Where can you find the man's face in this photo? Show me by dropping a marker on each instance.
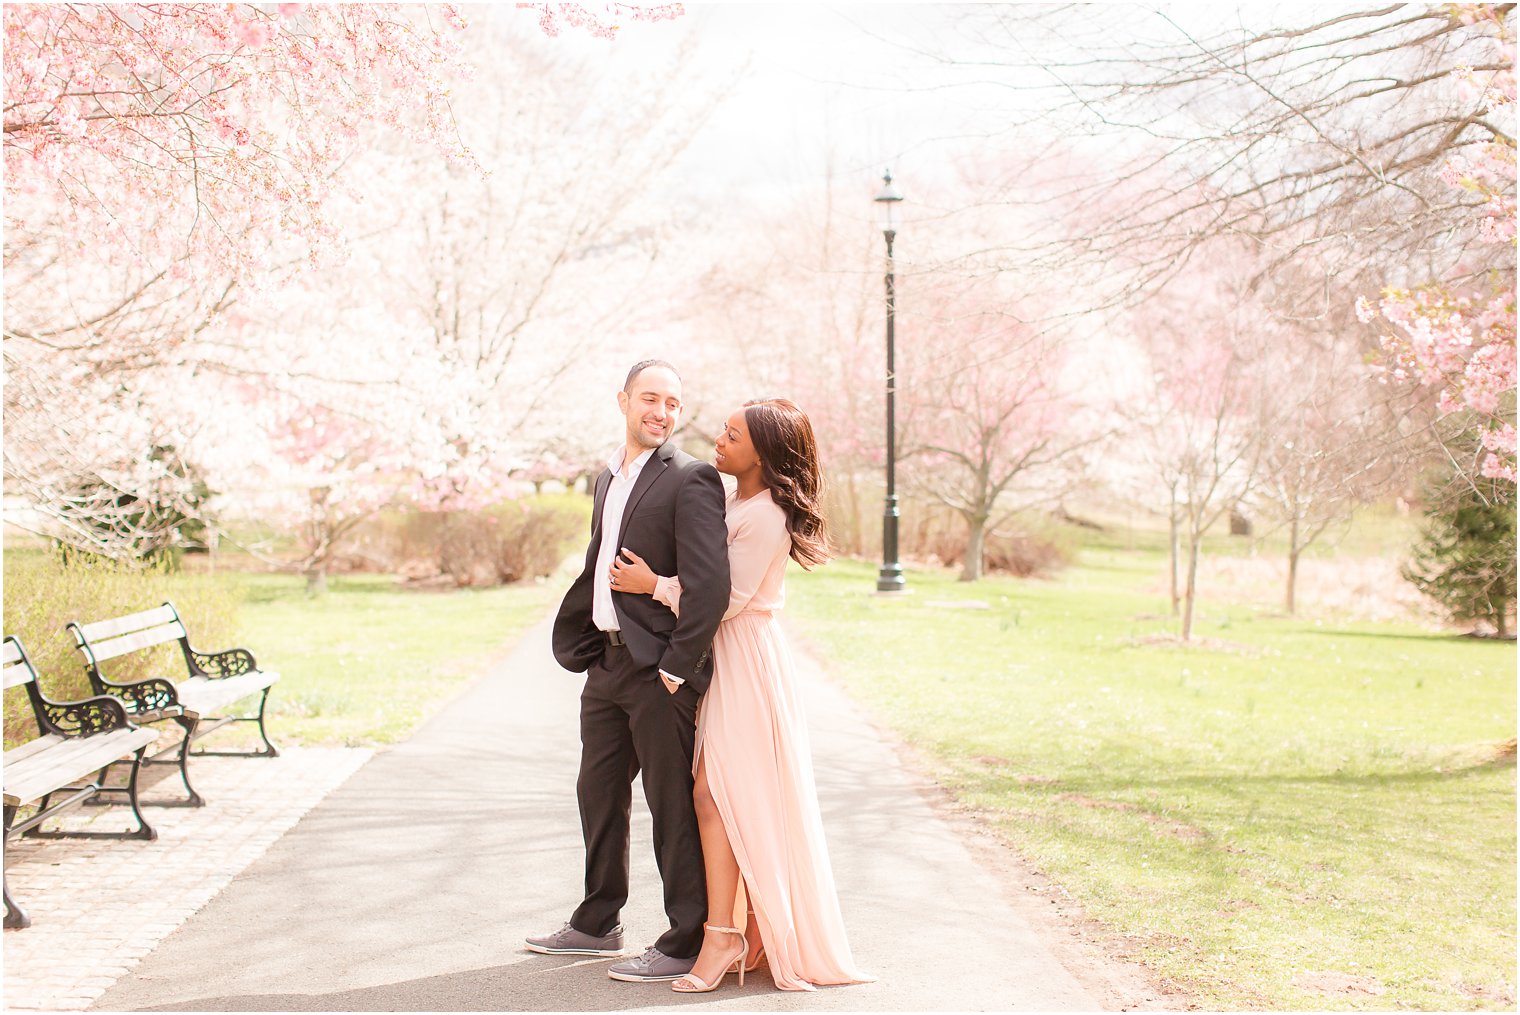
(652, 405)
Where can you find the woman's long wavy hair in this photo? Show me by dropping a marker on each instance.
(788, 452)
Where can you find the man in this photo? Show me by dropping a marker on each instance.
(646, 670)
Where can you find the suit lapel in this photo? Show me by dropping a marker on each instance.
(652, 471)
(599, 498)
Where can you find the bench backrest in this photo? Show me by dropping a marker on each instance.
(107, 639)
(18, 668)
(18, 671)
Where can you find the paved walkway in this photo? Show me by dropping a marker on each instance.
(99, 906)
(411, 886)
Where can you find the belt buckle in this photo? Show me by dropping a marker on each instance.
(614, 638)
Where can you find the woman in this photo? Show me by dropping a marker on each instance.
(757, 806)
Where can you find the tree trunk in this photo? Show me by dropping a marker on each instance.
(1175, 549)
(316, 579)
(1293, 551)
(857, 526)
(975, 541)
(1191, 596)
(1501, 621)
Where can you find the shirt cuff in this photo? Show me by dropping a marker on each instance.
(672, 677)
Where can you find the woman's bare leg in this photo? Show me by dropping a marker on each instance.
(722, 881)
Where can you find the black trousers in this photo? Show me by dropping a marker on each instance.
(631, 723)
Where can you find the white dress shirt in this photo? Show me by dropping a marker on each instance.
(602, 613)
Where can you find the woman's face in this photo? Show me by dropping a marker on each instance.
(735, 453)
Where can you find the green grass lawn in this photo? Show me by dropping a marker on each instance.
(368, 662)
(1290, 806)
(363, 665)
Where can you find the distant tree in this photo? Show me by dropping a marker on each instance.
(1335, 442)
(1465, 558)
(988, 428)
(1205, 403)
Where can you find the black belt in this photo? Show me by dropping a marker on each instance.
(614, 638)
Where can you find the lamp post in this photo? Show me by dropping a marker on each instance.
(891, 578)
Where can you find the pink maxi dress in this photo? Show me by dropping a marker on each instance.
(752, 731)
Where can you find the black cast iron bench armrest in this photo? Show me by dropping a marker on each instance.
(233, 662)
(99, 714)
(155, 694)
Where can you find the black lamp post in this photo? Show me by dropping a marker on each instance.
(891, 578)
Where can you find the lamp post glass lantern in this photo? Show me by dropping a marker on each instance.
(891, 578)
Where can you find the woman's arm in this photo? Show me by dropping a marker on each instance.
(751, 551)
(630, 573)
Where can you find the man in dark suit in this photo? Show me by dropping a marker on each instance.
(646, 669)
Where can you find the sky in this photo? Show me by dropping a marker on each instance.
(810, 83)
(850, 89)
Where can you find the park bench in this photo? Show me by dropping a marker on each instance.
(213, 681)
(79, 742)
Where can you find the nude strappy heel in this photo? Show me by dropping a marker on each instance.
(691, 984)
(753, 960)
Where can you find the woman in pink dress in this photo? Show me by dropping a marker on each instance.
(757, 805)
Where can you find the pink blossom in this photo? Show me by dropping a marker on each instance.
(1495, 468)
(1458, 341)
(1501, 439)
(195, 181)
(601, 24)
(70, 123)
(254, 33)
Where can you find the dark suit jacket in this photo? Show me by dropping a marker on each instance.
(674, 520)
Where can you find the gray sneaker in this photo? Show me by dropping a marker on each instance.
(651, 967)
(569, 941)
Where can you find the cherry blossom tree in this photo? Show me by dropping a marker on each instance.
(349, 469)
(161, 162)
(1202, 403)
(1457, 336)
(989, 425)
(522, 271)
(599, 20)
(185, 142)
(1312, 133)
(249, 294)
(1334, 444)
(100, 469)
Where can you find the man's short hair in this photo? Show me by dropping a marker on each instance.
(645, 364)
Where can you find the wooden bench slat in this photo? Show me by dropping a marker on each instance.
(113, 647)
(102, 629)
(18, 674)
(205, 695)
(68, 761)
(12, 651)
(16, 755)
(69, 755)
